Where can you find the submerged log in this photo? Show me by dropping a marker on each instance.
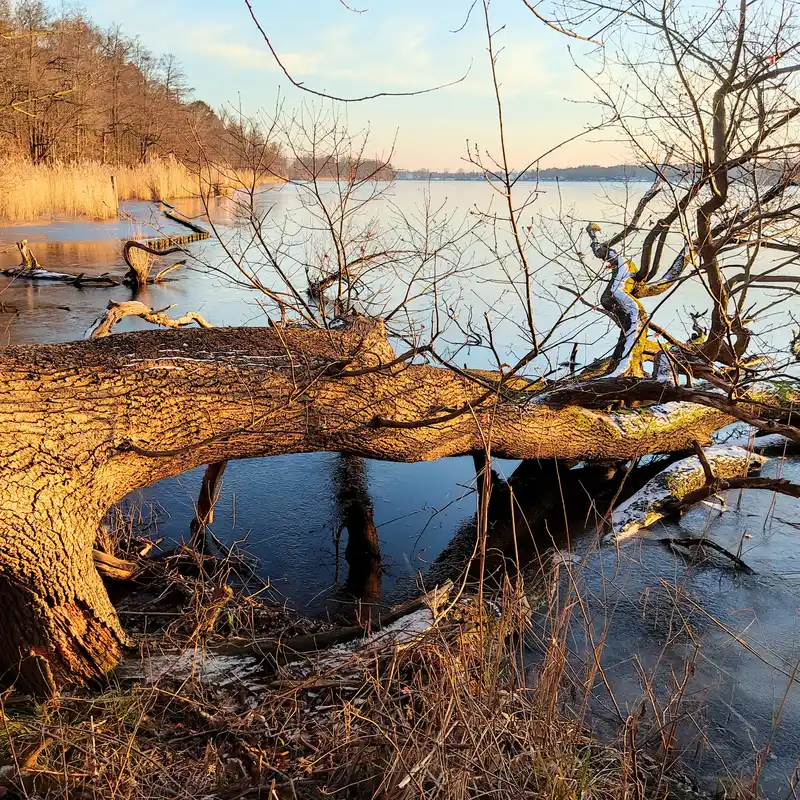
(658, 498)
(29, 269)
(83, 424)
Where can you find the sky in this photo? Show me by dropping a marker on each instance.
(391, 46)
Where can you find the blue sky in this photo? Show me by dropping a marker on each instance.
(394, 45)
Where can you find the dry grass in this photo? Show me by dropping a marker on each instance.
(460, 714)
(29, 192)
(451, 717)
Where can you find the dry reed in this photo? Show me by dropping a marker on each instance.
(30, 192)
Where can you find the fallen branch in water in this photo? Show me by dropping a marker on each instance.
(30, 269)
(137, 256)
(287, 649)
(779, 485)
(680, 485)
(691, 541)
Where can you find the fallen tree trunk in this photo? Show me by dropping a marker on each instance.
(83, 424)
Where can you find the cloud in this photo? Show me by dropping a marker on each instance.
(345, 54)
(228, 48)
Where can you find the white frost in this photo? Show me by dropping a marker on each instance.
(203, 666)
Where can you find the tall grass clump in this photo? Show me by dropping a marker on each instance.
(31, 192)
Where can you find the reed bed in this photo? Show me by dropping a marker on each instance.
(31, 192)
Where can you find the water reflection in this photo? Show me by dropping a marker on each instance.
(357, 521)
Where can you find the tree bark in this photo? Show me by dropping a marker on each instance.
(58, 625)
(83, 424)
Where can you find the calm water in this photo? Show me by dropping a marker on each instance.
(744, 641)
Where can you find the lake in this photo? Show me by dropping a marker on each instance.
(728, 647)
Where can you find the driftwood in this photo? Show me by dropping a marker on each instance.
(241, 662)
(30, 269)
(28, 259)
(116, 311)
(138, 254)
(287, 650)
(170, 213)
(61, 277)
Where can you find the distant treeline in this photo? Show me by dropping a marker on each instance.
(322, 167)
(623, 172)
(71, 92)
